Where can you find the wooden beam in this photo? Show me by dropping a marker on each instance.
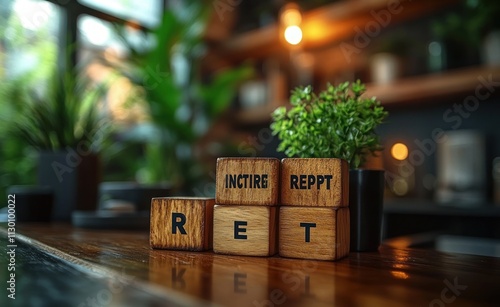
(428, 88)
(327, 25)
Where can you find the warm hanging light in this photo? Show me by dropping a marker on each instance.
(290, 19)
(293, 35)
(399, 151)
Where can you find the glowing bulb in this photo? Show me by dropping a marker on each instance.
(293, 35)
(399, 151)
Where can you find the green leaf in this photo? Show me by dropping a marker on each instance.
(336, 123)
(218, 94)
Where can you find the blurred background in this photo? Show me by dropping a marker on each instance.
(156, 90)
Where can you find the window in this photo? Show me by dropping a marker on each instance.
(146, 12)
(100, 53)
(29, 32)
(29, 44)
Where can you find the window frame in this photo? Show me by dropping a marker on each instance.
(71, 11)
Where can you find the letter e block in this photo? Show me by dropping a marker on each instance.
(247, 181)
(316, 182)
(245, 230)
(181, 223)
(314, 233)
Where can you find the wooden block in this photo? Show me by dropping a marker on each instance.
(181, 223)
(245, 230)
(314, 233)
(247, 181)
(315, 182)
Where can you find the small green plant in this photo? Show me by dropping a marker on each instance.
(337, 123)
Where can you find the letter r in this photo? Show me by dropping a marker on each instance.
(178, 221)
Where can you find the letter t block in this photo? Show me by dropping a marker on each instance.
(314, 233)
(182, 223)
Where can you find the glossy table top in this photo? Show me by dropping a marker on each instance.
(390, 277)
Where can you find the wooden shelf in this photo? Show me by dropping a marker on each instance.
(422, 89)
(431, 87)
(325, 26)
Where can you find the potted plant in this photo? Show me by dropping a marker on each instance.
(470, 31)
(62, 123)
(18, 165)
(339, 123)
(484, 26)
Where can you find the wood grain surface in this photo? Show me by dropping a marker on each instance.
(314, 233)
(182, 223)
(243, 281)
(390, 277)
(259, 187)
(314, 182)
(245, 230)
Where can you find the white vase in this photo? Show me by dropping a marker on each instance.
(461, 169)
(384, 68)
(491, 48)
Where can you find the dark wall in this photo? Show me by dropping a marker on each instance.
(415, 124)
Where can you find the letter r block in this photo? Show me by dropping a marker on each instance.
(245, 230)
(314, 233)
(181, 223)
(247, 181)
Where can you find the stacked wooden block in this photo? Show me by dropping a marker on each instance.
(313, 220)
(245, 214)
(314, 217)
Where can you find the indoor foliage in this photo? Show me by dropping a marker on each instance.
(337, 123)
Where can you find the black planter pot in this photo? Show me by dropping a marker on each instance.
(32, 203)
(74, 178)
(138, 194)
(366, 198)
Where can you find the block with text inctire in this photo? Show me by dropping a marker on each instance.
(182, 223)
(247, 181)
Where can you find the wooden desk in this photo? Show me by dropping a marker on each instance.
(391, 277)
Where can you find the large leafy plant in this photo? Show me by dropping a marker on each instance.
(337, 123)
(61, 115)
(182, 101)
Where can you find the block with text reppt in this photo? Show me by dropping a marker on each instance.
(315, 182)
(182, 223)
(245, 230)
(247, 181)
(314, 232)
